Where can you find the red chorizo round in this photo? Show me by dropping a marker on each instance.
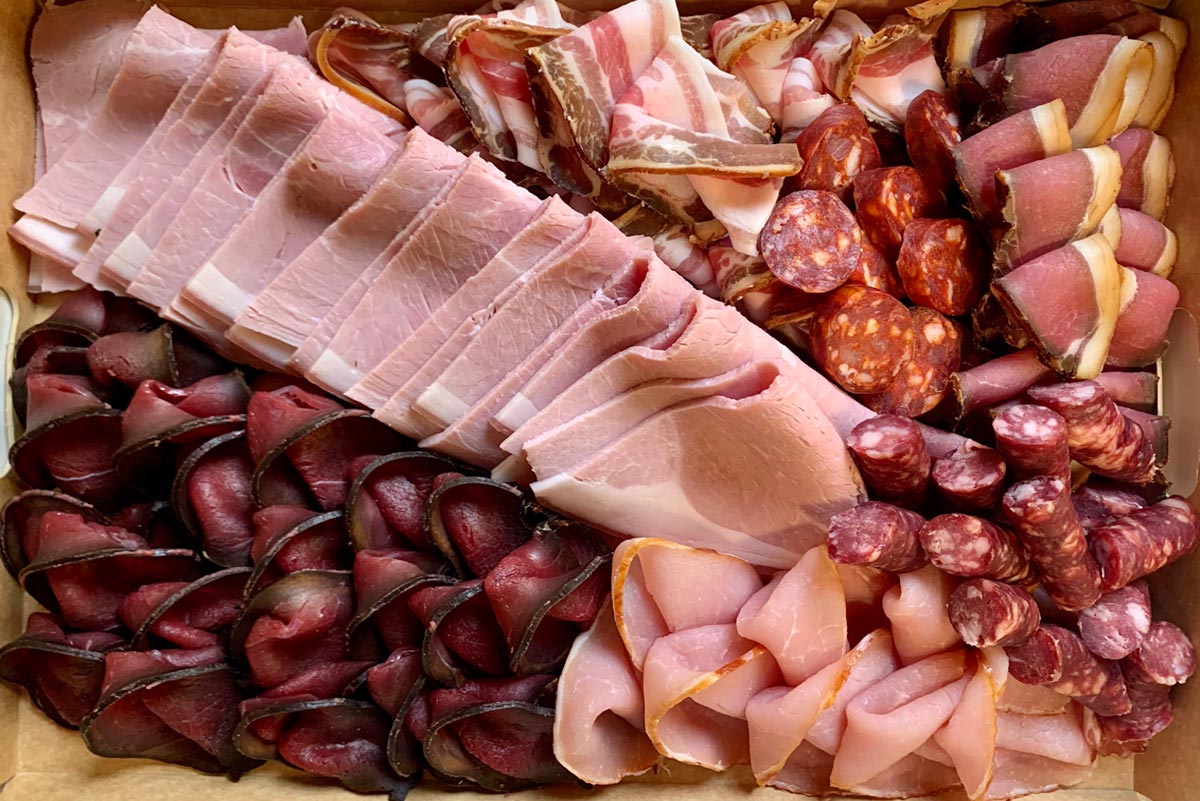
(811, 241)
(887, 200)
(1033, 440)
(971, 479)
(943, 265)
(836, 147)
(879, 535)
(925, 378)
(1116, 625)
(861, 337)
(1144, 541)
(874, 270)
(931, 131)
(987, 613)
(890, 451)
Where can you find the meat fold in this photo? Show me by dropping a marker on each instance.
(499, 211)
(916, 608)
(294, 303)
(1147, 303)
(368, 60)
(1146, 244)
(1148, 171)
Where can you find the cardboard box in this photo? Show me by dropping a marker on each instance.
(42, 762)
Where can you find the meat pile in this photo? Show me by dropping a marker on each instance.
(235, 573)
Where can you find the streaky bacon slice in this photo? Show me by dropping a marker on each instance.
(599, 719)
(802, 99)
(759, 46)
(916, 608)
(437, 111)
(656, 586)
(366, 59)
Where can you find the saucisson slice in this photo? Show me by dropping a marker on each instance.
(1057, 657)
(971, 479)
(991, 613)
(964, 545)
(891, 455)
(879, 535)
(1166, 655)
(1117, 624)
(1033, 440)
(1140, 543)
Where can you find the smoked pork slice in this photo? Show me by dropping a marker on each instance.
(1148, 171)
(916, 608)
(1147, 303)
(1146, 244)
(759, 46)
(294, 303)
(391, 307)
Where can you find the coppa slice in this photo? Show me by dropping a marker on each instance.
(388, 382)
(294, 303)
(687, 471)
(337, 165)
(523, 323)
(1068, 302)
(436, 260)
(242, 68)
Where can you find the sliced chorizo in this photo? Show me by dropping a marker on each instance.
(874, 270)
(811, 241)
(943, 265)
(931, 132)
(836, 147)
(888, 199)
(861, 337)
(925, 378)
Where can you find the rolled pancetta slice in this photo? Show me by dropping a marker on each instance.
(1148, 171)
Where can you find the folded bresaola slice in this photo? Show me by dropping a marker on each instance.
(1148, 171)
(242, 69)
(383, 580)
(1082, 277)
(1051, 202)
(289, 538)
(385, 506)
(1029, 136)
(384, 388)
(438, 257)
(22, 517)
(1147, 303)
(182, 614)
(212, 495)
(339, 162)
(142, 91)
(1146, 244)
(599, 714)
(1102, 90)
(294, 303)
(759, 429)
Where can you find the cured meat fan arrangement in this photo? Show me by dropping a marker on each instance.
(537, 395)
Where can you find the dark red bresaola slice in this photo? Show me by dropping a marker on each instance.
(383, 579)
(51, 359)
(187, 615)
(63, 678)
(387, 497)
(461, 633)
(125, 667)
(186, 717)
(476, 522)
(291, 538)
(163, 354)
(21, 517)
(295, 624)
(496, 733)
(78, 320)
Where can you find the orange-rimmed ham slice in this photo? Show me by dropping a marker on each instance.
(969, 737)
(916, 608)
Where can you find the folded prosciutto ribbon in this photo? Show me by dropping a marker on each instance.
(829, 678)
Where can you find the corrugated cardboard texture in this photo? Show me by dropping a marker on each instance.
(42, 762)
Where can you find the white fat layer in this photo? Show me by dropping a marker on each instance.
(1050, 121)
(331, 371)
(102, 212)
(1107, 280)
(210, 288)
(441, 404)
(127, 259)
(1106, 185)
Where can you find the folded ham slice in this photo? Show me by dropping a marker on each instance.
(969, 736)
(916, 608)
(291, 307)
(693, 488)
(437, 259)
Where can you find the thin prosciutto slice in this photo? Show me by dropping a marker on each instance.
(683, 116)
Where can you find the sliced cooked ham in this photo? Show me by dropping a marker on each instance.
(498, 211)
(693, 488)
(969, 736)
(291, 307)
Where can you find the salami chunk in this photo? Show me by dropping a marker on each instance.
(879, 535)
(943, 265)
(1040, 511)
(1116, 625)
(890, 451)
(875, 271)
(811, 241)
(1033, 440)
(1100, 504)
(1150, 713)
(1058, 658)
(1166, 656)
(1100, 437)
(1144, 541)
(925, 378)
(861, 337)
(888, 199)
(931, 131)
(987, 613)
(836, 147)
(971, 479)
(963, 545)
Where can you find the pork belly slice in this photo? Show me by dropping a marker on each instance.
(756, 474)
(1051, 202)
(384, 387)
(1148, 171)
(339, 163)
(242, 68)
(472, 437)
(293, 304)
(530, 315)
(434, 192)
(161, 55)
(481, 213)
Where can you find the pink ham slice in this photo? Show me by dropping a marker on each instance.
(556, 231)
(678, 483)
(526, 319)
(656, 591)
(220, 195)
(1034, 134)
(473, 437)
(242, 69)
(291, 307)
(1041, 752)
(338, 164)
(969, 736)
(554, 222)
(916, 608)
(697, 684)
(439, 257)
(599, 720)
